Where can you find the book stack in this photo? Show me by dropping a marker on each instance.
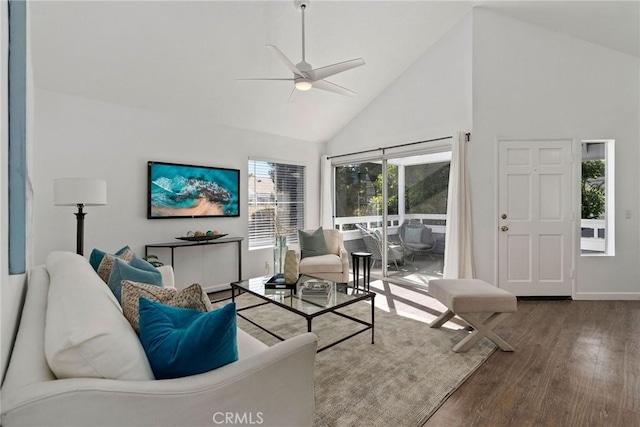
(315, 289)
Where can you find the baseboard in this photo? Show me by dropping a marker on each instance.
(601, 296)
(544, 298)
(217, 288)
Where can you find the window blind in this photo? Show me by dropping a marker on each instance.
(276, 202)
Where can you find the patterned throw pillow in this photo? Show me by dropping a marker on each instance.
(106, 265)
(192, 297)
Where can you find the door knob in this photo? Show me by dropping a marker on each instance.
(504, 228)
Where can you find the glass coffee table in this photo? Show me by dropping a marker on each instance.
(308, 307)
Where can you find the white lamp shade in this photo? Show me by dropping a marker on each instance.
(74, 191)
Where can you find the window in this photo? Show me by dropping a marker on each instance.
(597, 187)
(426, 190)
(359, 193)
(417, 189)
(276, 202)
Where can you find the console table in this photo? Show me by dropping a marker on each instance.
(182, 244)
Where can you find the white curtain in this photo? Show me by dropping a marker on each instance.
(326, 193)
(458, 256)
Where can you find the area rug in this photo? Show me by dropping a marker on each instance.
(401, 380)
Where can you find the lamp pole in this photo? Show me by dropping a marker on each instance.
(80, 233)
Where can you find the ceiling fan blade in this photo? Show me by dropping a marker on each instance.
(283, 58)
(330, 70)
(332, 87)
(294, 95)
(287, 79)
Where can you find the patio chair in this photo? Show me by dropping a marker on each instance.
(373, 242)
(417, 238)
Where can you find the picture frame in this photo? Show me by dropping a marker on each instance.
(176, 190)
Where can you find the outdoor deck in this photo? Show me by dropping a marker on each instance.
(418, 270)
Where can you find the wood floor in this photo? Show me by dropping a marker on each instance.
(577, 363)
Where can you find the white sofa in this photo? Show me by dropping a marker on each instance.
(267, 385)
(333, 266)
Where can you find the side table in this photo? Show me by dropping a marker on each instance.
(366, 269)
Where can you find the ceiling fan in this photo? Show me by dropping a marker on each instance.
(304, 76)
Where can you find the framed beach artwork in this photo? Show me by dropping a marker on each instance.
(188, 191)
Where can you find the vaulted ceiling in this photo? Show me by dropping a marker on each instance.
(184, 57)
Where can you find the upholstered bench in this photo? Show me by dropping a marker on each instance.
(467, 298)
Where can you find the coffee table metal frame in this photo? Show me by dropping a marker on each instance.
(237, 289)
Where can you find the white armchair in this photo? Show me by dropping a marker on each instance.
(333, 266)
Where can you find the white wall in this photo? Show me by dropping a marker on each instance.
(77, 137)
(529, 82)
(430, 100)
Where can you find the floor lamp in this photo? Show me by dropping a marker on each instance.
(79, 192)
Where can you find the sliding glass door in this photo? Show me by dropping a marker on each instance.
(395, 208)
(359, 207)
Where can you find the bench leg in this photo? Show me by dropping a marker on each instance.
(444, 318)
(482, 329)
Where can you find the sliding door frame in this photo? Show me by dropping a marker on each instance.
(401, 151)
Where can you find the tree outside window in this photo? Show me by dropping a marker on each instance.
(593, 189)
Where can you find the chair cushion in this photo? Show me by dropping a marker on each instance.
(180, 342)
(192, 297)
(312, 243)
(329, 263)
(472, 296)
(86, 334)
(413, 234)
(419, 246)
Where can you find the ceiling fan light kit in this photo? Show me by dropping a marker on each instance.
(304, 76)
(303, 84)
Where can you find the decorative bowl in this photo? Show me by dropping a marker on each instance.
(200, 238)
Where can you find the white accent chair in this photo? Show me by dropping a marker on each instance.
(333, 266)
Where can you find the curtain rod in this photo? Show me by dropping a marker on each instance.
(394, 146)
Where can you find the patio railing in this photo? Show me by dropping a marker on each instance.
(593, 237)
(593, 230)
(350, 232)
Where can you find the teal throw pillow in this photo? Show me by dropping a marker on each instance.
(180, 341)
(312, 244)
(137, 270)
(413, 235)
(96, 256)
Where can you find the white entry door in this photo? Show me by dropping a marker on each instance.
(536, 218)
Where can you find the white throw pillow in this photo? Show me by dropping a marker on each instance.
(86, 334)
